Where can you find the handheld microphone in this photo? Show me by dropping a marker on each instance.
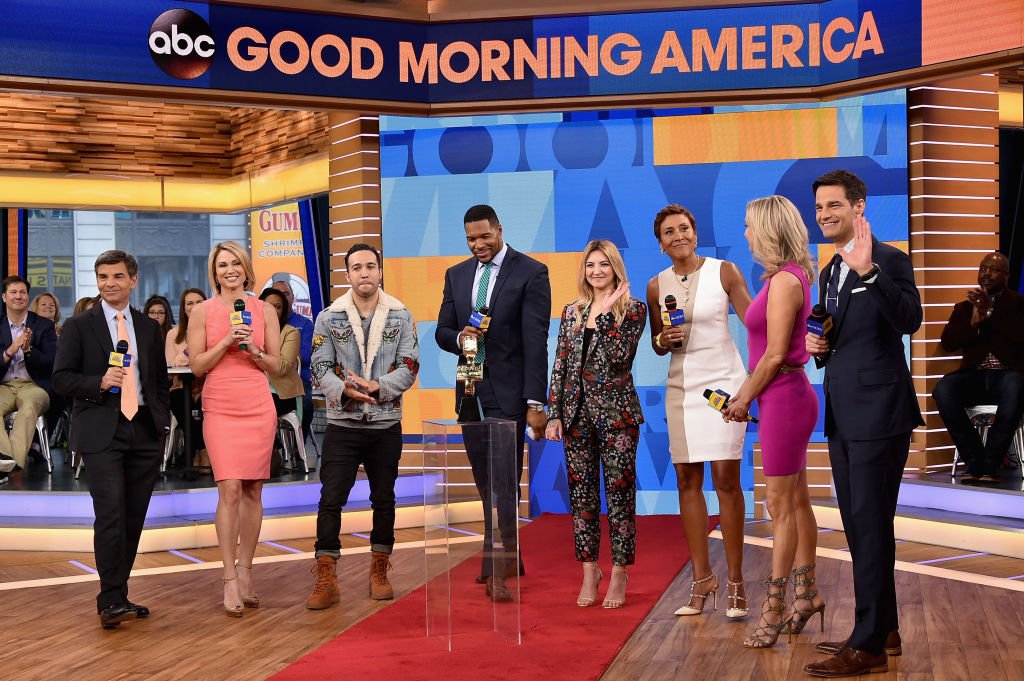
(480, 319)
(719, 400)
(673, 317)
(119, 358)
(820, 321)
(241, 316)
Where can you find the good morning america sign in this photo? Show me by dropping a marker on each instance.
(226, 47)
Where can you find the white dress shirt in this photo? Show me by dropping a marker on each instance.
(110, 314)
(496, 261)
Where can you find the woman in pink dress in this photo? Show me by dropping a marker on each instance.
(776, 321)
(239, 421)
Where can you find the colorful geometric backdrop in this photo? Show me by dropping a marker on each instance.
(560, 180)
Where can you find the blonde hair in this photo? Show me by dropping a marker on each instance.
(586, 291)
(236, 249)
(779, 235)
(34, 306)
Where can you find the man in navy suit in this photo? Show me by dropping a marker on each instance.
(29, 345)
(870, 411)
(118, 423)
(515, 289)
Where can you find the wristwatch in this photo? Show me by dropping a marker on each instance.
(537, 407)
(870, 275)
(258, 357)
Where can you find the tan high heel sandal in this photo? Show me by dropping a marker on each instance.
(587, 601)
(615, 602)
(713, 593)
(251, 599)
(231, 610)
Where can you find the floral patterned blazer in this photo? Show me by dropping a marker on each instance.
(605, 375)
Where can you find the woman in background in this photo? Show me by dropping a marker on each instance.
(286, 382)
(238, 415)
(703, 356)
(776, 325)
(47, 306)
(176, 352)
(159, 308)
(84, 304)
(595, 408)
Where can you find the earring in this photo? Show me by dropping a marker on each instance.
(662, 250)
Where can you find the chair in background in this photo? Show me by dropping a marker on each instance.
(293, 444)
(41, 435)
(982, 416)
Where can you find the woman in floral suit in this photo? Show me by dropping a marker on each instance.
(594, 406)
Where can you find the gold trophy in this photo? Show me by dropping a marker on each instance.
(469, 373)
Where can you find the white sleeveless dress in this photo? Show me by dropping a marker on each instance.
(708, 359)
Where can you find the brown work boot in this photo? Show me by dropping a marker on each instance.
(325, 591)
(380, 587)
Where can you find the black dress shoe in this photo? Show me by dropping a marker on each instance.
(141, 611)
(113, 615)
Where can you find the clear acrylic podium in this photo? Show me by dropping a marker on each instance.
(452, 453)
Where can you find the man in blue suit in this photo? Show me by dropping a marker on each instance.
(515, 289)
(870, 411)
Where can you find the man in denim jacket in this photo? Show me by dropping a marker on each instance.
(365, 356)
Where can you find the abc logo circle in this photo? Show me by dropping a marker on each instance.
(181, 43)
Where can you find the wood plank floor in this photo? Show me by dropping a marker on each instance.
(952, 629)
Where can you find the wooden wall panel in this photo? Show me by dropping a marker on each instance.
(261, 138)
(954, 221)
(355, 213)
(54, 134)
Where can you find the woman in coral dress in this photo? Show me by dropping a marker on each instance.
(239, 421)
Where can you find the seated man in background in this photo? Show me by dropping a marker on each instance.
(29, 345)
(988, 328)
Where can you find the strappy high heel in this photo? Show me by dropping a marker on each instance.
(587, 601)
(251, 599)
(617, 602)
(734, 611)
(231, 610)
(799, 618)
(767, 633)
(689, 609)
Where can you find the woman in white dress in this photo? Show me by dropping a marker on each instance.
(703, 356)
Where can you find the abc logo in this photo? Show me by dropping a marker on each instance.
(181, 43)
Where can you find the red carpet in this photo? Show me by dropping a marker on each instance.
(560, 640)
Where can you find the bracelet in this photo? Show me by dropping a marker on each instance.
(258, 357)
(657, 341)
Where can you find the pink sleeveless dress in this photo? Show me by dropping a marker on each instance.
(788, 407)
(239, 421)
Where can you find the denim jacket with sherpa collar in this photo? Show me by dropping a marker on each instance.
(389, 354)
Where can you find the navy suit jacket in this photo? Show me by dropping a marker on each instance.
(869, 392)
(82, 357)
(39, 362)
(517, 338)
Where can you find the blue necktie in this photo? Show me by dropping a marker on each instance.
(832, 291)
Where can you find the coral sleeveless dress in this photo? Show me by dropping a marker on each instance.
(708, 359)
(239, 420)
(788, 407)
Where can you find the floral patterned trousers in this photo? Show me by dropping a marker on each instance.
(586, 448)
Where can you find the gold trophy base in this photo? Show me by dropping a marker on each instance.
(470, 410)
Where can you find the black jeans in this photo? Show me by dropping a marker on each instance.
(970, 387)
(121, 481)
(378, 450)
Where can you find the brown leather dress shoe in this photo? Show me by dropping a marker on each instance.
(849, 662)
(893, 645)
(497, 591)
